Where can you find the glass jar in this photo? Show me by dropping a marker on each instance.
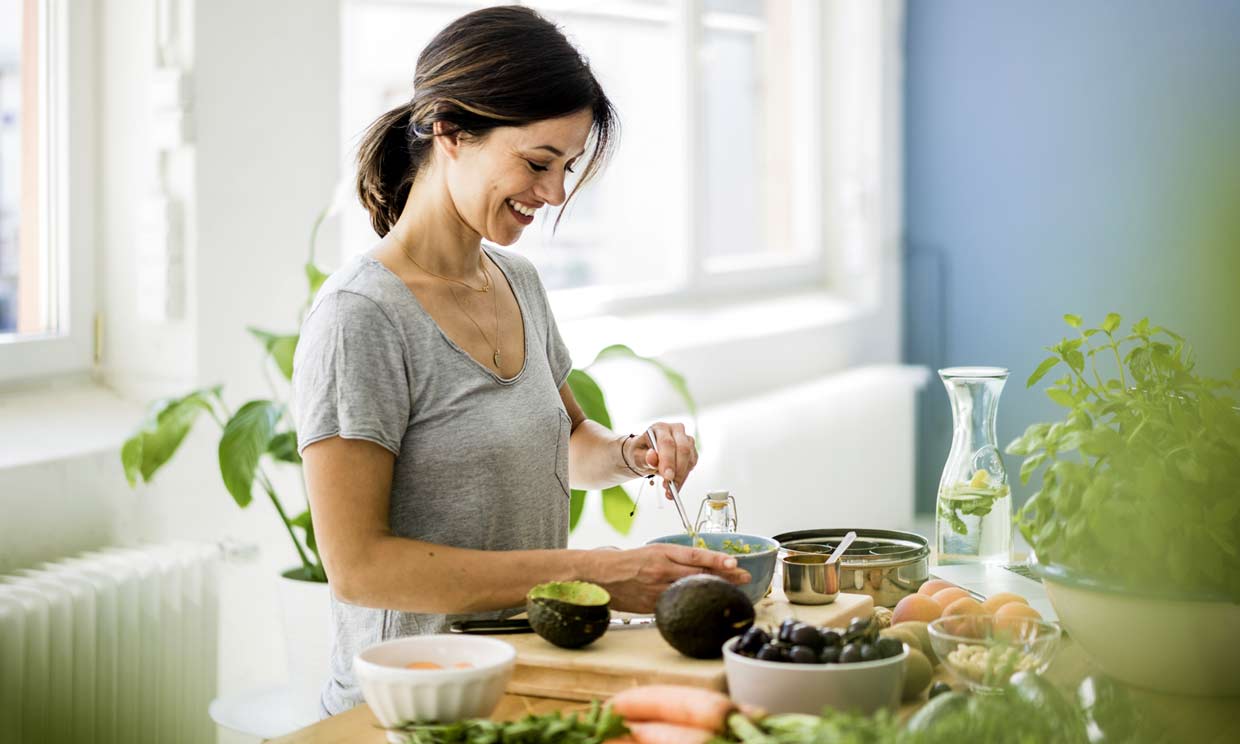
(717, 513)
(973, 518)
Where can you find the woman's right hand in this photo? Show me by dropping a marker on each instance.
(635, 578)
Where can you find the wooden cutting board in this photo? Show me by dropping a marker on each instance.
(627, 656)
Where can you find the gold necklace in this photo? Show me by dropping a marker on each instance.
(486, 287)
(495, 305)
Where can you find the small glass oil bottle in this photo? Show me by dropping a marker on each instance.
(717, 513)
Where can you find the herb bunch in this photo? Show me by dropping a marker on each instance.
(1141, 479)
(596, 726)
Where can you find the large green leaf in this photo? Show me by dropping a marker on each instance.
(1046, 366)
(576, 504)
(283, 447)
(618, 509)
(281, 349)
(306, 524)
(589, 396)
(168, 422)
(315, 277)
(247, 435)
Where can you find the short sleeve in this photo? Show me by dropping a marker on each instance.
(557, 351)
(350, 378)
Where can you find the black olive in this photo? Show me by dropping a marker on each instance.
(752, 640)
(770, 653)
(802, 655)
(786, 628)
(831, 637)
(830, 655)
(938, 688)
(807, 635)
(850, 653)
(869, 652)
(889, 647)
(858, 627)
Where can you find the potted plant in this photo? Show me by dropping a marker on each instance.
(1136, 526)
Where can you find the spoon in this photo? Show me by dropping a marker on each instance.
(839, 549)
(684, 518)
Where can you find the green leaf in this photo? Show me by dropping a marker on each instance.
(1142, 327)
(589, 396)
(1076, 360)
(674, 378)
(281, 349)
(1062, 397)
(1031, 464)
(576, 504)
(247, 436)
(283, 447)
(1111, 322)
(617, 508)
(168, 422)
(1073, 320)
(131, 458)
(315, 277)
(1047, 365)
(306, 524)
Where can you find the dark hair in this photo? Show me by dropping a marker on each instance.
(499, 66)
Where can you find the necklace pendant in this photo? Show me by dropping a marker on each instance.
(496, 358)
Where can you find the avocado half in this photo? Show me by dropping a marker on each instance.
(696, 615)
(570, 614)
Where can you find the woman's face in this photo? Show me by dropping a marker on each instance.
(499, 183)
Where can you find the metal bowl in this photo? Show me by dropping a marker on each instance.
(809, 579)
(888, 565)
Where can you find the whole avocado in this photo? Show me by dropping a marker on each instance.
(697, 614)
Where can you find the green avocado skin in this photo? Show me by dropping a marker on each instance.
(696, 615)
(565, 624)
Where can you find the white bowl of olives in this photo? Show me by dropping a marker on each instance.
(802, 668)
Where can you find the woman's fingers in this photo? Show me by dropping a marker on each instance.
(676, 455)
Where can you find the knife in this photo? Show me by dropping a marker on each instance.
(522, 625)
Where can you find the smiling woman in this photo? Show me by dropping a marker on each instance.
(439, 436)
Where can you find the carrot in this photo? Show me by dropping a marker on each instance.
(626, 739)
(655, 732)
(678, 704)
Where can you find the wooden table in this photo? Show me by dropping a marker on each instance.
(1170, 718)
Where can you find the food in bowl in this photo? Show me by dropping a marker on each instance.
(400, 695)
(759, 561)
(801, 643)
(783, 687)
(434, 665)
(985, 651)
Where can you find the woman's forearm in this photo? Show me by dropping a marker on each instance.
(595, 458)
(397, 573)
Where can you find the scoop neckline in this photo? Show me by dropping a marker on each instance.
(525, 329)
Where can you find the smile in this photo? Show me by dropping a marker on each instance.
(524, 214)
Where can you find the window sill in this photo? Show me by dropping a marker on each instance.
(62, 420)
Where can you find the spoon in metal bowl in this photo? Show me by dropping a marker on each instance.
(839, 549)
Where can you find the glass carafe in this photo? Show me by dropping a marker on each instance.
(973, 518)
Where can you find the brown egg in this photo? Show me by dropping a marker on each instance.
(934, 585)
(964, 606)
(916, 607)
(946, 596)
(995, 601)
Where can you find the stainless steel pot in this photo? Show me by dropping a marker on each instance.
(888, 565)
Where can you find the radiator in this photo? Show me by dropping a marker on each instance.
(117, 645)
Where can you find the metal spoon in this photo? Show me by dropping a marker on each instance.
(684, 518)
(839, 549)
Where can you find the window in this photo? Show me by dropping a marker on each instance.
(45, 287)
(716, 182)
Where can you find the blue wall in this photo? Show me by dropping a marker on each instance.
(1066, 156)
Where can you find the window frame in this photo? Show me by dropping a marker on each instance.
(705, 280)
(67, 125)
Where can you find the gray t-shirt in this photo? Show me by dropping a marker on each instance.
(481, 461)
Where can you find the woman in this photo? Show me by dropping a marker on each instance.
(436, 428)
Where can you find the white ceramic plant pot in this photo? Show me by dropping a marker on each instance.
(305, 610)
(1178, 646)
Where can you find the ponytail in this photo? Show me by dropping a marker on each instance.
(388, 159)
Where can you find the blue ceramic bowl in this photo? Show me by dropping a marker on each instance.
(760, 563)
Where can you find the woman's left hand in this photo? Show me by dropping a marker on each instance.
(676, 457)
